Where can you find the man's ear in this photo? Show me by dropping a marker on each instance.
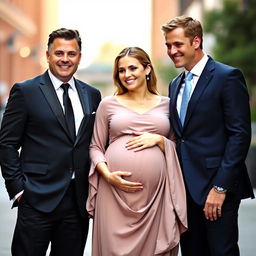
(47, 55)
(197, 42)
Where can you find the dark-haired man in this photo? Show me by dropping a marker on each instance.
(50, 119)
(211, 118)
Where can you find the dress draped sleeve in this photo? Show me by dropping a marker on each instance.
(97, 151)
(176, 184)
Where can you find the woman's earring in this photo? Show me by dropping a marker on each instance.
(147, 76)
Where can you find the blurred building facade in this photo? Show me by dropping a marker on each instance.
(162, 11)
(24, 29)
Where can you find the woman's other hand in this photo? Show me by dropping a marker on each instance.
(143, 140)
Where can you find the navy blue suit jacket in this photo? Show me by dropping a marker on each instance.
(34, 123)
(214, 141)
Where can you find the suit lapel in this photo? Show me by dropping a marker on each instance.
(51, 97)
(83, 96)
(84, 99)
(201, 85)
(175, 88)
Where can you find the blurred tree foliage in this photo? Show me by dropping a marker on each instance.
(166, 72)
(235, 33)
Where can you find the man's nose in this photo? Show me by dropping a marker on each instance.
(172, 50)
(65, 57)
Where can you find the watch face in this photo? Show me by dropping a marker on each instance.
(219, 189)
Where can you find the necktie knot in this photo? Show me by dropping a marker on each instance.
(65, 87)
(189, 76)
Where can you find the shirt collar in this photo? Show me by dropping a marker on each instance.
(57, 83)
(199, 67)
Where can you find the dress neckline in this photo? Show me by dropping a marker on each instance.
(134, 111)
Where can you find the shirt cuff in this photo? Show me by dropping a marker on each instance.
(17, 195)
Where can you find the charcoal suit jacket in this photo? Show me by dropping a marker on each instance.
(37, 153)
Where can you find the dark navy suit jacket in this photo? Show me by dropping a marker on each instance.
(214, 141)
(34, 123)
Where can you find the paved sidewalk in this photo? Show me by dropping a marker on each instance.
(247, 225)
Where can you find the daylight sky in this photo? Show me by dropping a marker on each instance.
(121, 22)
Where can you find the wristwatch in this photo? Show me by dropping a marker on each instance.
(219, 189)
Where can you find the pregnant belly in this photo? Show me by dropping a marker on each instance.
(147, 166)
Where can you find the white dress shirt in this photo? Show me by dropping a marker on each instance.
(73, 95)
(196, 71)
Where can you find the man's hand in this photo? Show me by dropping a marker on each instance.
(213, 205)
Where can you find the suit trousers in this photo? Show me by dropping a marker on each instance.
(211, 238)
(64, 228)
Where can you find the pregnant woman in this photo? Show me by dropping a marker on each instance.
(136, 194)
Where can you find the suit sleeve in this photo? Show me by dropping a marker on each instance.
(11, 135)
(236, 109)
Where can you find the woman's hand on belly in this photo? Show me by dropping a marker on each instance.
(144, 140)
(116, 179)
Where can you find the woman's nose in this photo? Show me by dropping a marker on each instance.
(127, 73)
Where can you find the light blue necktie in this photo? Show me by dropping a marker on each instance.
(185, 97)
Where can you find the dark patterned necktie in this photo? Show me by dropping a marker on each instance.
(69, 114)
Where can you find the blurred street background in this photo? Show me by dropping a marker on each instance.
(106, 27)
